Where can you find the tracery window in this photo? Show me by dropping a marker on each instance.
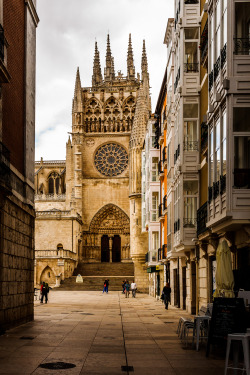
(54, 183)
(111, 159)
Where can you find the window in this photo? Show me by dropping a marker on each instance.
(155, 241)
(241, 129)
(211, 49)
(190, 111)
(224, 143)
(154, 170)
(217, 29)
(54, 183)
(154, 210)
(217, 151)
(211, 157)
(242, 28)
(190, 192)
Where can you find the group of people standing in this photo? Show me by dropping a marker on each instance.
(126, 288)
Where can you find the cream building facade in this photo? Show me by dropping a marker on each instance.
(87, 207)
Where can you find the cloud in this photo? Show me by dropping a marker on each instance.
(66, 36)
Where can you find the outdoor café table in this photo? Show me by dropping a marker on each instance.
(197, 326)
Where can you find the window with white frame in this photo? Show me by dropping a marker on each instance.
(224, 22)
(211, 157)
(155, 245)
(224, 143)
(177, 207)
(190, 194)
(191, 49)
(154, 169)
(217, 155)
(190, 115)
(217, 29)
(154, 207)
(211, 44)
(241, 134)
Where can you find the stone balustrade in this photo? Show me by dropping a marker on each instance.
(55, 254)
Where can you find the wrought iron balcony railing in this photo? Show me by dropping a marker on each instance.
(191, 67)
(201, 219)
(191, 1)
(223, 55)
(217, 66)
(1, 43)
(242, 46)
(176, 225)
(223, 181)
(177, 78)
(189, 222)
(177, 153)
(219, 187)
(190, 146)
(210, 80)
(242, 178)
(216, 189)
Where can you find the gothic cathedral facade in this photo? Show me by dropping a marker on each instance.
(88, 208)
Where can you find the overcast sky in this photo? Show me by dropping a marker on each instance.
(66, 37)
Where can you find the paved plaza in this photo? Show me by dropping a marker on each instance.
(102, 334)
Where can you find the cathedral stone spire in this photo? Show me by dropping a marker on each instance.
(130, 61)
(77, 101)
(97, 73)
(144, 62)
(109, 71)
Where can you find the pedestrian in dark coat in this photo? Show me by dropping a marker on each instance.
(44, 291)
(166, 294)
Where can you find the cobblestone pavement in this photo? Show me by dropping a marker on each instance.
(102, 334)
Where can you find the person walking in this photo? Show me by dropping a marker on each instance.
(105, 286)
(166, 293)
(133, 288)
(127, 287)
(44, 292)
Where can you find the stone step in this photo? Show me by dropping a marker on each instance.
(105, 269)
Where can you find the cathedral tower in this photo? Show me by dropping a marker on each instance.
(139, 240)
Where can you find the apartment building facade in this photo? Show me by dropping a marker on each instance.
(150, 211)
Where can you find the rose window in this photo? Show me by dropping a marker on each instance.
(111, 159)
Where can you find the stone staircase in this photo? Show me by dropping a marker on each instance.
(94, 274)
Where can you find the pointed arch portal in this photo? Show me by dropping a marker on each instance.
(108, 236)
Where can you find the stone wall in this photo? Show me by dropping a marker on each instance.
(17, 263)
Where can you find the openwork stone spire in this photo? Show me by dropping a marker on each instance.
(130, 61)
(109, 71)
(144, 62)
(77, 101)
(97, 73)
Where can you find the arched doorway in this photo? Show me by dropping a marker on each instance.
(105, 248)
(116, 249)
